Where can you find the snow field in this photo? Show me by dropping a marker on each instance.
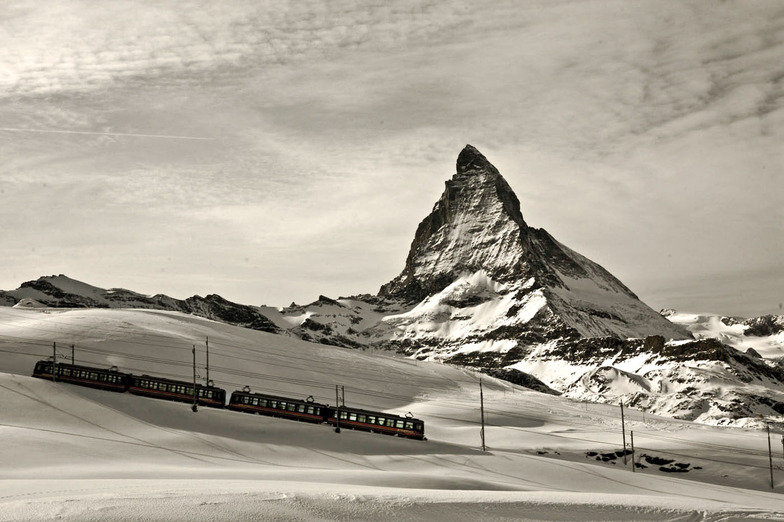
(75, 453)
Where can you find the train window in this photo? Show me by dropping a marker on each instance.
(273, 404)
(67, 371)
(291, 407)
(360, 418)
(371, 419)
(343, 414)
(352, 416)
(301, 408)
(94, 376)
(399, 424)
(409, 425)
(263, 402)
(418, 426)
(310, 410)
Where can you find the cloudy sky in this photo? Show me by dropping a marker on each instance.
(274, 151)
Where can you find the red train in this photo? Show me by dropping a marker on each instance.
(243, 401)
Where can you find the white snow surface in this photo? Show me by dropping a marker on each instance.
(75, 453)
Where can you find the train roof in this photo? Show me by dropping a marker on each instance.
(278, 397)
(377, 413)
(174, 381)
(83, 367)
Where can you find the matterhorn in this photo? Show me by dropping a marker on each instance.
(476, 249)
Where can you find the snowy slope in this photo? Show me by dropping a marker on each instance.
(74, 453)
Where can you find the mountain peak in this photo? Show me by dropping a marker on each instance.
(471, 159)
(477, 227)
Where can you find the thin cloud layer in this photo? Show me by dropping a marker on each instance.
(645, 135)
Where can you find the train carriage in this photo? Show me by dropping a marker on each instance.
(105, 379)
(172, 390)
(275, 406)
(377, 421)
(245, 401)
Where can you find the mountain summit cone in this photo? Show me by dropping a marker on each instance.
(476, 237)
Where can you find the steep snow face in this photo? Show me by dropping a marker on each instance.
(464, 317)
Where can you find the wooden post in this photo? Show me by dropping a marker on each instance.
(337, 410)
(623, 431)
(208, 360)
(631, 434)
(195, 406)
(482, 411)
(770, 455)
(54, 360)
(73, 354)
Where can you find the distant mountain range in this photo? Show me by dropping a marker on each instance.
(481, 288)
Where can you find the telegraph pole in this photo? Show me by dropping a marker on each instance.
(342, 395)
(337, 410)
(54, 360)
(482, 412)
(73, 354)
(195, 407)
(631, 434)
(623, 431)
(770, 455)
(208, 360)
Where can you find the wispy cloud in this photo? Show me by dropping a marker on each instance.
(646, 134)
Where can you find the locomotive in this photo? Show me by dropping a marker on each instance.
(241, 400)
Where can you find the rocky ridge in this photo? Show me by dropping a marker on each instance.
(60, 291)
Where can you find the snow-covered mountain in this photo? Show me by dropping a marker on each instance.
(60, 291)
(478, 279)
(481, 288)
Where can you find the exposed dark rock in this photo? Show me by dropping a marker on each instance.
(521, 378)
(764, 326)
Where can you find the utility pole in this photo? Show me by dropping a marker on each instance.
(195, 407)
(770, 455)
(73, 356)
(343, 396)
(54, 360)
(631, 434)
(337, 410)
(482, 412)
(623, 431)
(208, 360)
